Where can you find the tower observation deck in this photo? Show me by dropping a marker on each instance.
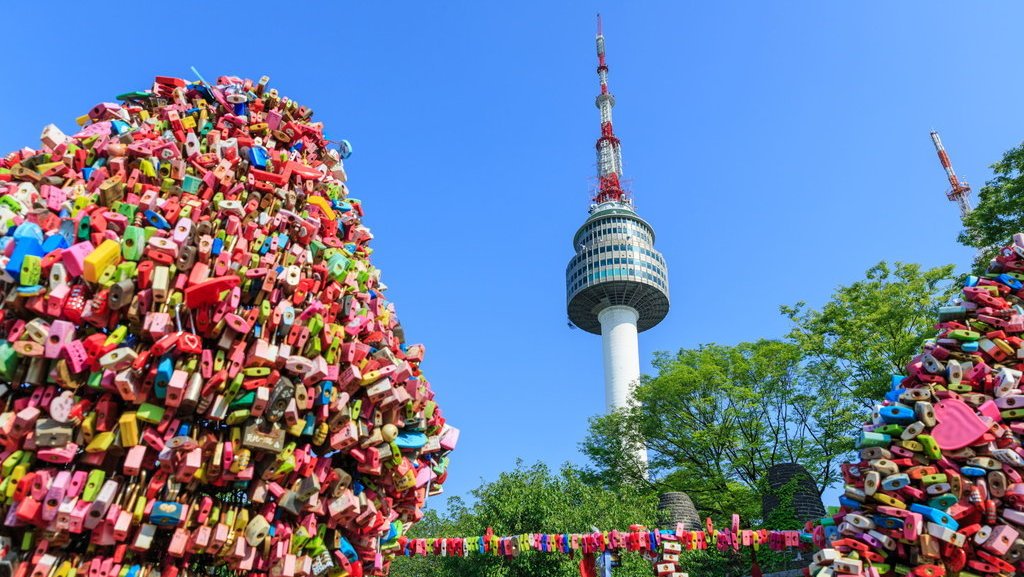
(616, 264)
(617, 282)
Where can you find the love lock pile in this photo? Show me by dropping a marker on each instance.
(199, 370)
(939, 488)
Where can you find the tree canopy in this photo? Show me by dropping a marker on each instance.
(534, 499)
(999, 213)
(531, 499)
(715, 418)
(870, 329)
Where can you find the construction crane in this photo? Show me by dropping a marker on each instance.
(959, 191)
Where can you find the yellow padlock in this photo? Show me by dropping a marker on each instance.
(88, 427)
(108, 253)
(100, 443)
(139, 510)
(128, 426)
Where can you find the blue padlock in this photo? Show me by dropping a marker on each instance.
(411, 439)
(54, 242)
(155, 219)
(897, 414)
(164, 370)
(258, 156)
(28, 230)
(67, 230)
(344, 148)
(1010, 281)
(165, 513)
(935, 516)
(973, 471)
(347, 550)
(895, 482)
(886, 522)
(24, 246)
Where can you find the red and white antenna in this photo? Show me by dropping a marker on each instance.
(609, 152)
(959, 191)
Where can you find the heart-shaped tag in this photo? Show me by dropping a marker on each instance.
(958, 425)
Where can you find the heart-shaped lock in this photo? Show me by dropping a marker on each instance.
(957, 426)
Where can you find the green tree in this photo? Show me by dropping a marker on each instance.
(531, 500)
(870, 329)
(714, 420)
(1000, 211)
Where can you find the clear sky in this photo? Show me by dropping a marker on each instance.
(778, 148)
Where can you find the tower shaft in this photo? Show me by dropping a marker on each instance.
(621, 355)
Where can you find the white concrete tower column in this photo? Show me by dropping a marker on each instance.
(621, 361)
(621, 354)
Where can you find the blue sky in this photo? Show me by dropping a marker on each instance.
(778, 148)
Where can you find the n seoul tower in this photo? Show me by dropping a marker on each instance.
(617, 283)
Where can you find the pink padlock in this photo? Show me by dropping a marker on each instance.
(61, 333)
(73, 258)
(1001, 539)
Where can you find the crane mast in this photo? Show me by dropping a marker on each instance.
(959, 191)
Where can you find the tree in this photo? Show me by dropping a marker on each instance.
(717, 417)
(714, 420)
(1000, 211)
(870, 329)
(531, 500)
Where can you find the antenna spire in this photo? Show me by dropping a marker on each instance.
(609, 152)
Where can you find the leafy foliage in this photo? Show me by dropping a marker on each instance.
(870, 329)
(1000, 211)
(715, 419)
(531, 500)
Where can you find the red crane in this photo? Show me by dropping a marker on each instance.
(959, 191)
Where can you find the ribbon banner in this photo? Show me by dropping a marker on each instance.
(636, 539)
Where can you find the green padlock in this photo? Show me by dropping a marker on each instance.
(8, 360)
(191, 184)
(943, 502)
(93, 484)
(243, 402)
(133, 243)
(126, 270)
(931, 448)
(150, 413)
(911, 445)
(1012, 413)
(127, 210)
(108, 277)
(870, 439)
(30, 270)
(84, 226)
(95, 380)
(891, 429)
